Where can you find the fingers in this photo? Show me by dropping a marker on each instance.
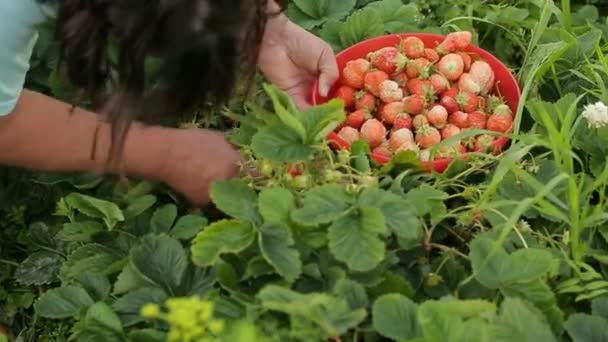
(328, 69)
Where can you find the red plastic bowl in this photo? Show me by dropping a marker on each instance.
(506, 84)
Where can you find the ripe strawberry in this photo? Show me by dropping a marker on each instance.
(349, 134)
(431, 55)
(449, 103)
(452, 91)
(354, 72)
(388, 59)
(403, 120)
(389, 112)
(399, 138)
(451, 66)
(467, 59)
(484, 143)
(401, 79)
(357, 118)
(467, 101)
(500, 121)
(413, 104)
(468, 84)
(365, 101)
(437, 116)
(413, 47)
(439, 83)
(454, 41)
(390, 92)
(419, 67)
(347, 94)
(383, 150)
(294, 169)
(373, 131)
(459, 119)
(417, 86)
(419, 121)
(427, 136)
(477, 119)
(449, 130)
(483, 75)
(373, 79)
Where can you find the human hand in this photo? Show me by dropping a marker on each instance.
(195, 160)
(292, 58)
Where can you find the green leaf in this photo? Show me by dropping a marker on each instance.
(426, 200)
(225, 236)
(354, 239)
(163, 218)
(139, 205)
(302, 19)
(276, 143)
(91, 257)
(520, 321)
(395, 316)
(315, 9)
(285, 110)
(97, 285)
(276, 244)
(237, 199)
(197, 281)
(109, 212)
(39, 268)
(129, 305)
(599, 306)
(275, 205)
(353, 292)
(101, 324)
(63, 302)
(393, 283)
(188, 226)
(361, 25)
(82, 231)
(527, 264)
(257, 267)
(400, 219)
(129, 279)
(398, 17)
(586, 328)
(320, 120)
(323, 204)
(160, 260)
(147, 335)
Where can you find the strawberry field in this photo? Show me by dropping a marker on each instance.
(421, 202)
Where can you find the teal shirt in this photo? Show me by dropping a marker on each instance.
(18, 35)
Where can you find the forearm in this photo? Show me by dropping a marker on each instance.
(42, 134)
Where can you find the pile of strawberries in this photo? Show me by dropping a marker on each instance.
(410, 97)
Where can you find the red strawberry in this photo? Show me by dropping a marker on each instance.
(389, 112)
(451, 66)
(390, 91)
(449, 103)
(413, 104)
(413, 47)
(294, 169)
(383, 150)
(437, 116)
(468, 102)
(427, 136)
(417, 86)
(403, 120)
(354, 72)
(373, 131)
(459, 119)
(357, 118)
(449, 130)
(373, 79)
(467, 59)
(419, 67)
(439, 83)
(431, 55)
(483, 75)
(388, 59)
(365, 101)
(347, 94)
(484, 143)
(477, 119)
(419, 121)
(501, 120)
(401, 79)
(454, 41)
(349, 134)
(452, 91)
(399, 138)
(468, 84)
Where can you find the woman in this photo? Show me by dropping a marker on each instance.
(198, 46)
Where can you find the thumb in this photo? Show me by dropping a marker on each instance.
(328, 68)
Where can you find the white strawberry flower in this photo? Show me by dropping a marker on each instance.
(596, 115)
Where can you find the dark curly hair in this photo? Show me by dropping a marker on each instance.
(199, 49)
